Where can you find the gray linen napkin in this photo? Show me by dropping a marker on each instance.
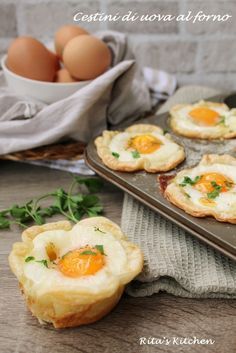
(119, 94)
(175, 261)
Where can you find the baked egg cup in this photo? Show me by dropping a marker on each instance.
(209, 189)
(203, 120)
(74, 275)
(139, 147)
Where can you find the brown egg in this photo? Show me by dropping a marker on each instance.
(56, 60)
(64, 76)
(64, 34)
(86, 57)
(29, 58)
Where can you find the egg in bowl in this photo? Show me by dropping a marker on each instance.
(72, 276)
(204, 120)
(139, 147)
(209, 189)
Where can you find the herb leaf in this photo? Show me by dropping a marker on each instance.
(228, 184)
(48, 211)
(187, 180)
(94, 211)
(115, 154)
(29, 258)
(215, 193)
(44, 262)
(135, 154)
(221, 121)
(4, 222)
(88, 252)
(99, 230)
(100, 248)
(90, 200)
(71, 205)
(76, 199)
(187, 195)
(19, 212)
(93, 184)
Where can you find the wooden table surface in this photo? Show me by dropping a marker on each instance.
(159, 316)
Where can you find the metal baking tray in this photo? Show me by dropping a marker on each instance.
(145, 187)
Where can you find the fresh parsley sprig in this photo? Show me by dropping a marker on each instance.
(72, 204)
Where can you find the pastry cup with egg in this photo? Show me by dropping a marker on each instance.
(203, 120)
(72, 276)
(209, 189)
(139, 147)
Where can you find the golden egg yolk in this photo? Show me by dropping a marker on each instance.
(204, 116)
(51, 251)
(206, 182)
(145, 143)
(81, 262)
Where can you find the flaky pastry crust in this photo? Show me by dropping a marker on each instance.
(222, 133)
(71, 308)
(176, 195)
(102, 143)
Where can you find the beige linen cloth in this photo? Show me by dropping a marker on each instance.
(175, 261)
(119, 94)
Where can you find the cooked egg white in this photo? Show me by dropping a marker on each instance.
(198, 193)
(139, 147)
(162, 150)
(72, 276)
(187, 122)
(116, 262)
(204, 120)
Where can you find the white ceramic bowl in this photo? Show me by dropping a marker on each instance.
(47, 92)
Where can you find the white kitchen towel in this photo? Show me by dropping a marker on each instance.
(119, 94)
(175, 261)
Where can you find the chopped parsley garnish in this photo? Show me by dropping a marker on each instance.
(217, 189)
(222, 120)
(214, 184)
(29, 258)
(100, 249)
(228, 184)
(88, 252)
(44, 262)
(115, 154)
(187, 195)
(98, 230)
(188, 181)
(135, 154)
(32, 258)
